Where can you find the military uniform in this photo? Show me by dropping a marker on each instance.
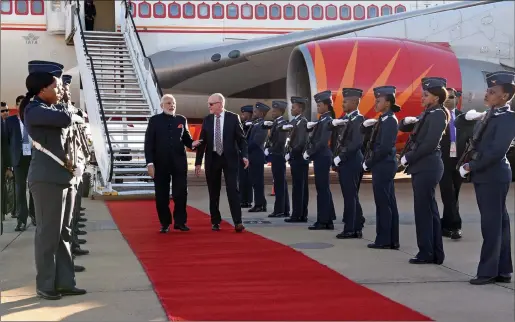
(424, 163)
(243, 174)
(274, 150)
(383, 163)
(318, 150)
(299, 167)
(256, 142)
(348, 157)
(50, 183)
(491, 174)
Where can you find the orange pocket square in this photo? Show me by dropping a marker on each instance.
(179, 126)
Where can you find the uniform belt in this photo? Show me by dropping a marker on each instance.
(39, 147)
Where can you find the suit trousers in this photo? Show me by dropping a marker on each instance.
(177, 173)
(54, 264)
(450, 185)
(20, 178)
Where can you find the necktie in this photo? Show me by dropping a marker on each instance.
(218, 137)
(452, 128)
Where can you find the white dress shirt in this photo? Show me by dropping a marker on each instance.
(222, 117)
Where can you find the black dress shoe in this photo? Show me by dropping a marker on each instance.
(81, 241)
(82, 219)
(181, 227)
(321, 226)
(82, 214)
(20, 227)
(278, 215)
(49, 295)
(73, 291)
(258, 209)
(78, 268)
(33, 220)
(350, 235)
(215, 227)
(82, 208)
(456, 234)
(296, 219)
(245, 205)
(239, 228)
(416, 260)
(376, 246)
(164, 229)
(503, 279)
(482, 280)
(79, 225)
(81, 232)
(446, 232)
(79, 251)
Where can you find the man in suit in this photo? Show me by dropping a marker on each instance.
(4, 164)
(5, 110)
(20, 146)
(452, 146)
(166, 139)
(223, 143)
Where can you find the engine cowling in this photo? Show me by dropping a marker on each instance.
(366, 63)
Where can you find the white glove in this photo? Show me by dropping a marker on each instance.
(404, 161)
(77, 119)
(287, 126)
(287, 157)
(248, 124)
(463, 172)
(369, 122)
(306, 155)
(78, 172)
(337, 160)
(311, 124)
(410, 120)
(339, 122)
(266, 152)
(268, 123)
(473, 115)
(365, 167)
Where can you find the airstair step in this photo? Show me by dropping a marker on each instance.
(110, 59)
(121, 98)
(128, 131)
(103, 37)
(133, 184)
(91, 32)
(115, 68)
(133, 155)
(115, 72)
(129, 170)
(108, 55)
(101, 42)
(107, 48)
(107, 115)
(106, 90)
(129, 80)
(125, 104)
(121, 122)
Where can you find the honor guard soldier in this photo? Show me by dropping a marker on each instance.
(243, 174)
(491, 174)
(422, 158)
(299, 167)
(274, 150)
(348, 158)
(256, 143)
(50, 177)
(452, 145)
(318, 150)
(380, 157)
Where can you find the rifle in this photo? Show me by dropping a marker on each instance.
(342, 135)
(410, 143)
(470, 152)
(369, 151)
(309, 142)
(291, 136)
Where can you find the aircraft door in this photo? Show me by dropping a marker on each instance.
(56, 17)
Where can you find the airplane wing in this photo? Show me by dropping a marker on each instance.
(258, 64)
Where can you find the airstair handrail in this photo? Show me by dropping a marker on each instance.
(99, 100)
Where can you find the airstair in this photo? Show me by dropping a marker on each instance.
(120, 95)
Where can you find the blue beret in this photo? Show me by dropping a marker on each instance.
(352, 92)
(40, 66)
(297, 99)
(323, 96)
(500, 78)
(247, 108)
(384, 90)
(262, 107)
(280, 104)
(67, 79)
(431, 82)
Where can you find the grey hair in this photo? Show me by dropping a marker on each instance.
(220, 97)
(165, 96)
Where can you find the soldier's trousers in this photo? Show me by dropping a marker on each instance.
(325, 206)
(300, 189)
(387, 214)
(54, 264)
(257, 177)
(245, 186)
(427, 217)
(282, 198)
(495, 257)
(76, 213)
(349, 175)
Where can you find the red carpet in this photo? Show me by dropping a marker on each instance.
(226, 276)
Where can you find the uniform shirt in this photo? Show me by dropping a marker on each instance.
(384, 145)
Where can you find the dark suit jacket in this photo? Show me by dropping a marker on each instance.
(5, 159)
(234, 142)
(461, 139)
(166, 138)
(14, 139)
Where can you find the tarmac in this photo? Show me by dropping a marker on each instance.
(118, 288)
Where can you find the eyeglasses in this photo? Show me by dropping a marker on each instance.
(451, 97)
(211, 104)
(5, 111)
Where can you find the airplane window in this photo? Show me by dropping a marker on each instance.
(144, 10)
(218, 11)
(260, 11)
(386, 10)
(359, 12)
(400, 8)
(316, 12)
(6, 6)
(246, 11)
(331, 13)
(159, 10)
(203, 10)
(174, 11)
(275, 12)
(372, 11)
(189, 10)
(132, 8)
(303, 12)
(36, 7)
(232, 11)
(344, 12)
(289, 12)
(21, 7)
